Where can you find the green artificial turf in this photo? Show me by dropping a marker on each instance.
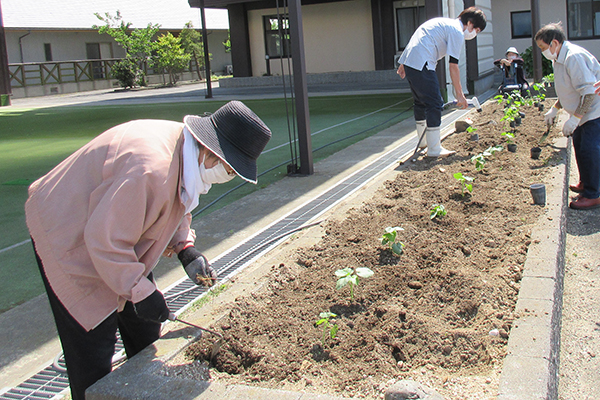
(33, 141)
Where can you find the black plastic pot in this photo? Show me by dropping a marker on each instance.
(513, 124)
(517, 121)
(541, 107)
(535, 152)
(512, 147)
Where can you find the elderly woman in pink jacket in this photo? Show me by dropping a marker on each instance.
(102, 218)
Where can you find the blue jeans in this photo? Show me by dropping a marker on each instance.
(426, 93)
(586, 142)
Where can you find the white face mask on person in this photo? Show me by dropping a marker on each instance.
(469, 34)
(216, 174)
(549, 55)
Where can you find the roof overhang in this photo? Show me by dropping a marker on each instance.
(255, 3)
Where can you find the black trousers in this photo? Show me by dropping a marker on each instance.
(88, 355)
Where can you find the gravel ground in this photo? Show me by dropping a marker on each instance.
(579, 372)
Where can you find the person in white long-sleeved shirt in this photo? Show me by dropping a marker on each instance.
(432, 41)
(576, 71)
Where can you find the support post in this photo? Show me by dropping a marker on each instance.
(535, 51)
(206, 53)
(300, 87)
(5, 90)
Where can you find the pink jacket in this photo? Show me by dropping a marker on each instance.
(102, 218)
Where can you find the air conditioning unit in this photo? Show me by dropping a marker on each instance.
(229, 70)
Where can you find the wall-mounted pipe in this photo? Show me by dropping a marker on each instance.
(21, 46)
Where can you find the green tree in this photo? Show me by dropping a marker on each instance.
(527, 56)
(171, 56)
(138, 43)
(191, 41)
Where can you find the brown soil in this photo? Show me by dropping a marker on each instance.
(426, 314)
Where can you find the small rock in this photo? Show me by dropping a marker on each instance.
(494, 332)
(410, 390)
(415, 285)
(503, 334)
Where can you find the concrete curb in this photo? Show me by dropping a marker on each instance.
(530, 369)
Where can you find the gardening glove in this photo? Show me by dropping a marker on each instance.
(550, 115)
(570, 126)
(196, 266)
(152, 308)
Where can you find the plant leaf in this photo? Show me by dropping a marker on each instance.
(333, 331)
(343, 282)
(343, 272)
(364, 272)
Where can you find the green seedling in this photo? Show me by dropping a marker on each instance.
(350, 276)
(389, 237)
(437, 210)
(470, 129)
(490, 151)
(328, 325)
(509, 137)
(330, 328)
(479, 161)
(465, 182)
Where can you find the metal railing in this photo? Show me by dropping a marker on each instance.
(73, 71)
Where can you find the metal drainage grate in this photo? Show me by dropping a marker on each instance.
(50, 382)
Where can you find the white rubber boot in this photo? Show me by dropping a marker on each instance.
(435, 148)
(421, 126)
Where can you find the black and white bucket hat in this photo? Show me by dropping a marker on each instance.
(235, 134)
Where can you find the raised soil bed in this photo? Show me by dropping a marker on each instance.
(440, 313)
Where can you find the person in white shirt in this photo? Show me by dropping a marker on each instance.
(576, 71)
(432, 41)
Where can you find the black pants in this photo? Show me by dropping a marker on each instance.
(88, 355)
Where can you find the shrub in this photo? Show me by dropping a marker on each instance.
(125, 72)
(527, 57)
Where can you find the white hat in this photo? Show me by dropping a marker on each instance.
(512, 49)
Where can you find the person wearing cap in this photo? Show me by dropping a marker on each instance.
(513, 66)
(101, 219)
(432, 41)
(576, 71)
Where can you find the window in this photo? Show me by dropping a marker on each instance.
(583, 18)
(520, 24)
(408, 20)
(277, 36)
(48, 51)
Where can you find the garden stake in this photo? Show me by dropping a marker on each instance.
(216, 345)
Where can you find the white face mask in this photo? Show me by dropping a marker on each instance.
(216, 174)
(469, 34)
(548, 54)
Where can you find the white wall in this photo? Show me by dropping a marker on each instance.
(337, 37)
(550, 11)
(71, 45)
(66, 45)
